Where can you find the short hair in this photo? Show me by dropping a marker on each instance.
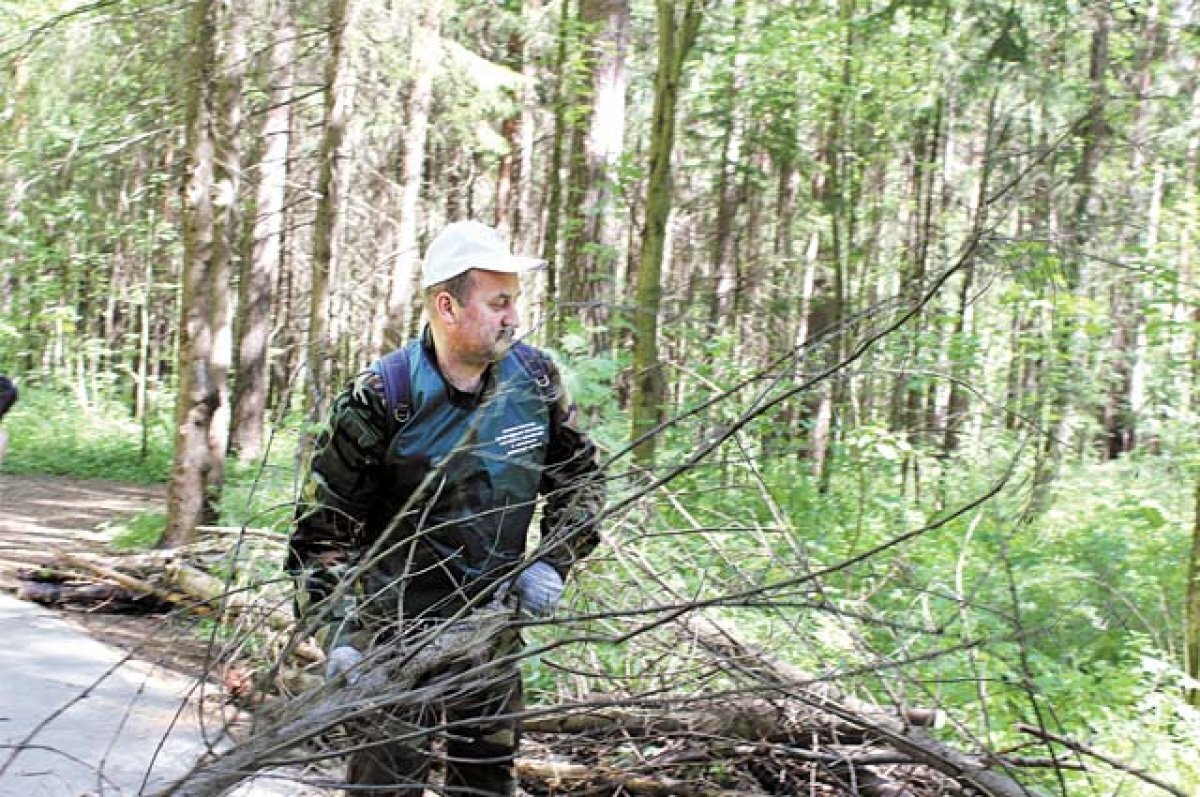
(459, 286)
(8, 394)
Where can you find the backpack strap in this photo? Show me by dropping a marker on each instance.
(397, 384)
(393, 367)
(534, 364)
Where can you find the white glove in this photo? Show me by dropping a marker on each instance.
(538, 588)
(342, 659)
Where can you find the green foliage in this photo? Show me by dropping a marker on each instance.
(138, 532)
(52, 432)
(262, 494)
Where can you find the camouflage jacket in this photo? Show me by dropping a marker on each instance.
(433, 510)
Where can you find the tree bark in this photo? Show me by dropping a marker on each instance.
(227, 174)
(554, 201)
(1077, 233)
(256, 291)
(403, 307)
(1192, 607)
(338, 100)
(591, 243)
(676, 34)
(186, 493)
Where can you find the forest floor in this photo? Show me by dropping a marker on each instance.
(42, 514)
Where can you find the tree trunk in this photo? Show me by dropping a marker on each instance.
(598, 139)
(338, 99)
(550, 243)
(186, 493)
(1118, 419)
(256, 291)
(227, 174)
(403, 307)
(1192, 608)
(956, 407)
(724, 263)
(508, 174)
(675, 39)
(1077, 233)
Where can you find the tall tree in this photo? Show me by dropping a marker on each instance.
(426, 50)
(257, 284)
(227, 176)
(1077, 233)
(338, 99)
(187, 499)
(676, 34)
(598, 140)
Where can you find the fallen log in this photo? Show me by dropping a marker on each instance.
(130, 583)
(216, 592)
(88, 595)
(897, 729)
(612, 781)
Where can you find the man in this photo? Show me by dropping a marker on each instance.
(422, 489)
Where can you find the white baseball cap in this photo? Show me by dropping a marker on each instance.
(465, 245)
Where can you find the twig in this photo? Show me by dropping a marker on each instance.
(1080, 747)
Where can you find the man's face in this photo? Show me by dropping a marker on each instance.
(488, 319)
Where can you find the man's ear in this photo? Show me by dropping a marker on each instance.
(445, 307)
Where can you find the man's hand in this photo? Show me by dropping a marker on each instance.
(342, 659)
(538, 589)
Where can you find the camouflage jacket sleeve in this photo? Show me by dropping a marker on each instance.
(340, 487)
(572, 483)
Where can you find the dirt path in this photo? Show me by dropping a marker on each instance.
(40, 512)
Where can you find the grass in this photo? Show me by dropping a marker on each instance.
(51, 432)
(139, 532)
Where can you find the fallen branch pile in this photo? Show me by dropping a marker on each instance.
(780, 732)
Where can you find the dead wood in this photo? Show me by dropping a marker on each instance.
(746, 719)
(564, 775)
(897, 729)
(384, 680)
(209, 589)
(130, 583)
(87, 595)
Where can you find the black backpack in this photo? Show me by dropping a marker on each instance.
(8, 394)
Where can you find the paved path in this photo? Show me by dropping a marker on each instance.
(77, 716)
(89, 720)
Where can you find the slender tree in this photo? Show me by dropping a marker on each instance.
(590, 258)
(227, 177)
(338, 100)
(256, 288)
(403, 309)
(187, 499)
(677, 32)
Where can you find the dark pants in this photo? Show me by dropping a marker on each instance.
(477, 716)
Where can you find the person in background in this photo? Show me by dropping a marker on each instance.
(423, 486)
(8, 397)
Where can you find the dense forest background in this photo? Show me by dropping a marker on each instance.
(885, 312)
